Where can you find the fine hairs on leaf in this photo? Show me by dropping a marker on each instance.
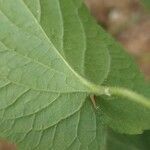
(53, 59)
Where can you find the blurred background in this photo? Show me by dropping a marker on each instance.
(129, 22)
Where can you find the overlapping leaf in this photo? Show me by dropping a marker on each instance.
(131, 142)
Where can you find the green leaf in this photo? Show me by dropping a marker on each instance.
(146, 4)
(128, 142)
(122, 115)
(121, 70)
(52, 57)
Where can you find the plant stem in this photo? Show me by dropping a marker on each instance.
(132, 96)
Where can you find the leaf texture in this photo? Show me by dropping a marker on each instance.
(130, 142)
(52, 57)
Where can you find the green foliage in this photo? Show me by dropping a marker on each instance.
(128, 142)
(53, 56)
(146, 4)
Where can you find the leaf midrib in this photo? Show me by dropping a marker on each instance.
(89, 86)
(92, 87)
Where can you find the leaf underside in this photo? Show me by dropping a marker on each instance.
(48, 50)
(128, 142)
